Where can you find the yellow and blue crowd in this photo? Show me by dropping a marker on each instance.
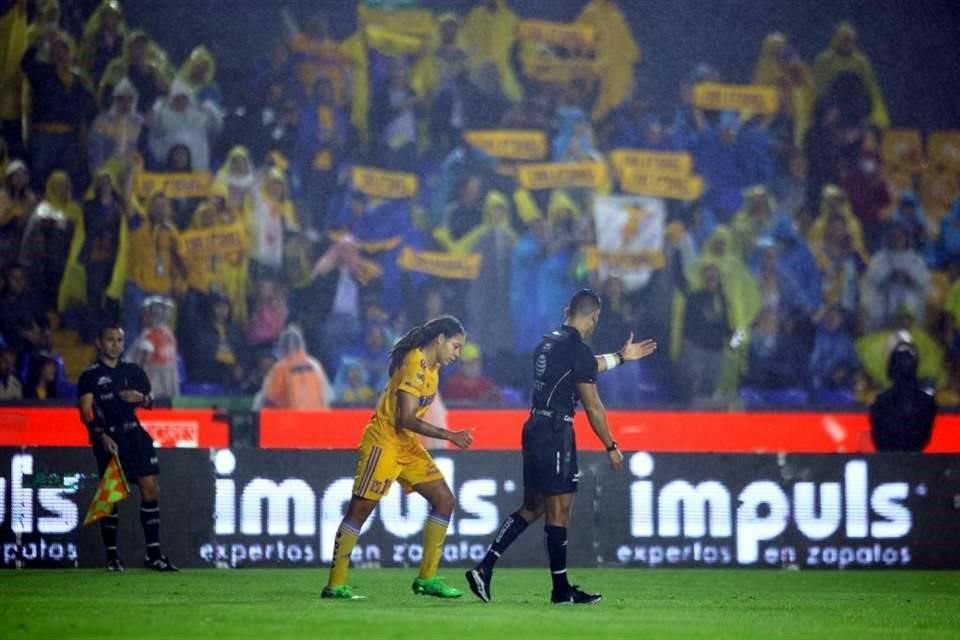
(225, 237)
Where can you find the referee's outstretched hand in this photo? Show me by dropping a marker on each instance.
(635, 350)
(462, 439)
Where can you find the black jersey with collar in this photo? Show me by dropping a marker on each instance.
(106, 383)
(561, 361)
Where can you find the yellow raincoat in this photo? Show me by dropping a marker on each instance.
(466, 243)
(489, 35)
(829, 64)
(91, 31)
(774, 70)
(819, 226)
(13, 44)
(616, 54)
(198, 55)
(156, 60)
(742, 226)
(740, 292)
(73, 287)
(874, 350)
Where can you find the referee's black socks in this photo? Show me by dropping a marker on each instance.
(108, 531)
(557, 550)
(150, 519)
(511, 528)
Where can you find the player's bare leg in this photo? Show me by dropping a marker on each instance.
(480, 577)
(442, 503)
(358, 510)
(150, 520)
(558, 509)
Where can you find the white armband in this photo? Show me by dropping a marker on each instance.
(610, 360)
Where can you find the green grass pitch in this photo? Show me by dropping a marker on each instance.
(661, 604)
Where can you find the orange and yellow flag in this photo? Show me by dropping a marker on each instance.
(112, 489)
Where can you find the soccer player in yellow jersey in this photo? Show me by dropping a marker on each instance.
(390, 450)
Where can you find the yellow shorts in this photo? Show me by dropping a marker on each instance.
(384, 461)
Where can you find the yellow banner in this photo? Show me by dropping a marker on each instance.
(735, 97)
(200, 244)
(557, 175)
(560, 34)
(944, 148)
(411, 22)
(441, 264)
(623, 261)
(550, 69)
(676, 187)
(174, 185)
(675, 164)
(506, 143)
(378, 183)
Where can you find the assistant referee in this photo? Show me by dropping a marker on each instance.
(110, 392)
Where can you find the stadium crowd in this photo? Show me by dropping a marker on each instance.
(238, 242)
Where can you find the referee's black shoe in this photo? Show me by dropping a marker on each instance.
(160, 563)
(479, 580)
(573, 595)
(115, 565)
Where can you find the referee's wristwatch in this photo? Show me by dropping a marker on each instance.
(613, 446)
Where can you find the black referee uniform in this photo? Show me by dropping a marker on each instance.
(138, 457)
(561, 361)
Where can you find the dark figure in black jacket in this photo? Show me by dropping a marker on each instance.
(901, 418)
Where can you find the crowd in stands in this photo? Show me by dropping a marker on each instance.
(260, 267)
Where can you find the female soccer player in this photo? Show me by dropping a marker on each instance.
(390, 450)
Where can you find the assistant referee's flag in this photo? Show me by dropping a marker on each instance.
(112, 489)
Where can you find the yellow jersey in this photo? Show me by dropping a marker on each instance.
(413, 377)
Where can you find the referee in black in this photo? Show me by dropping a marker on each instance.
(110, 392)
(565, 372)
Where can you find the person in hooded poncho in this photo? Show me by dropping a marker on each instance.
(103, 37)
(897, 277)
(741, 299)
(198, 73)
(116, 131)
(488, 309)
(93, 279)
(874, 350)
(145, 64)
(179, 120)
(780, 66)
(844, 56)
(238, 174)
(46, 238)
(946, 251)
(273, 217)
(617, 53)
(833, 200)
(488, 34)
(296, 381)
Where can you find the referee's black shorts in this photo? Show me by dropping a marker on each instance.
(138, 456)
(549, 456)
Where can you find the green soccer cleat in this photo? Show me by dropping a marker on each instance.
(341, 592)
(435, 587)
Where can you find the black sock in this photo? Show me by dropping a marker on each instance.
(557, 550)
(108, 530)
(150, 519)
(509, 531)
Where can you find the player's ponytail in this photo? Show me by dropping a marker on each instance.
(422, 334)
